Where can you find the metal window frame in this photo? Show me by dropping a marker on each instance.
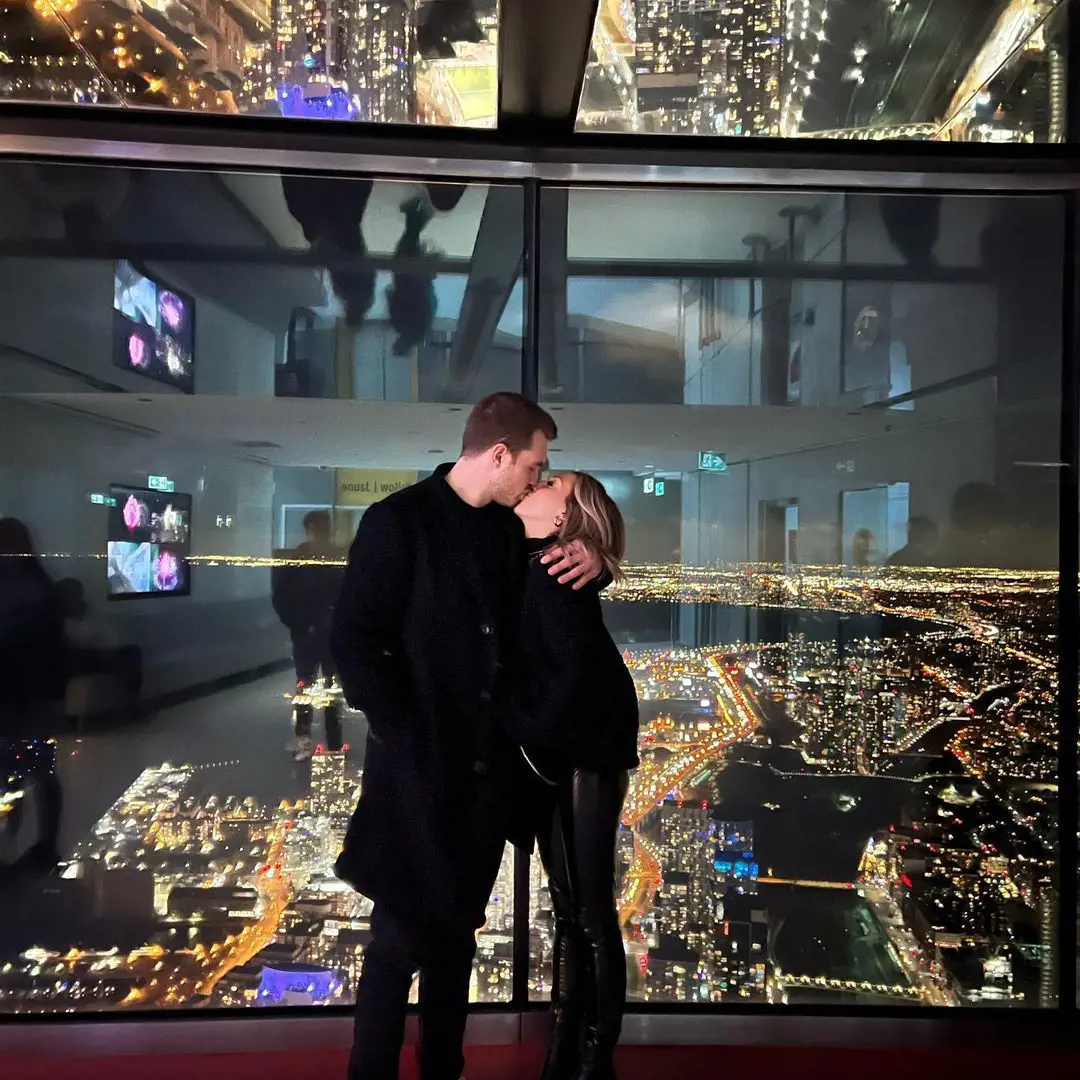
(175, 142)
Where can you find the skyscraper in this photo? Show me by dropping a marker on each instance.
(336, 57)
(331, 791)
(711, 66)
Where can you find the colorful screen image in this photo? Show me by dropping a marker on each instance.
(154, 329)
(149, 543)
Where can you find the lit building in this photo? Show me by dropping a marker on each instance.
(331, 794)
(711, 66)
(332, 58)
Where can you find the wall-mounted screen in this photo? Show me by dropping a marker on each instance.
(154, 329)
(149, 543)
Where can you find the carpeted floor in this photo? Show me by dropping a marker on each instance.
(523, 1063)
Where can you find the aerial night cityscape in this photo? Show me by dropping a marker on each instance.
(852, 69)
(804, 386)
(859, 806)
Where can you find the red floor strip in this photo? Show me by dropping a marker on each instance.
(522, 1063)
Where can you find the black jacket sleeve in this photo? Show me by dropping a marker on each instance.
(566, 624)
(366, 639)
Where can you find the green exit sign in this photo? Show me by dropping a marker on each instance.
(711, 461)
(160, 483)
(102, 500)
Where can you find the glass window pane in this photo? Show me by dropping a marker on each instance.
(385, 61)
(835, 446)
(205, 381)
(960, 70)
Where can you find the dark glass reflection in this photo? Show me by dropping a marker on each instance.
(831, 421)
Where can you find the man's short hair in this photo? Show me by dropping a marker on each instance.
(317, 519)
(507, 418)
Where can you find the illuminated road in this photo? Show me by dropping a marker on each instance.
(275, 892)
(639, 889)
(734, 720)
(175, 978)
(652, 783)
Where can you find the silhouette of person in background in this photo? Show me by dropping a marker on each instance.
(92, 645)
(331, 213)
(443, 23)
(922, 545)
(32, 679)
(411, 298)
(862, 548)
(913, 223)
(976, 535)
(304, 597)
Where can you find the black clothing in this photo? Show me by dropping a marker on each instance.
(33, 652)
(391, 958)
(411, 298)
(423, 632)
(304, 595)
(589, 990)
(910, 555)
(312, 658)
(577, 697)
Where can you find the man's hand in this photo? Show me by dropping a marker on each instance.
(573, 562)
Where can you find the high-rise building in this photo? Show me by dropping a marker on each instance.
(712, 66)
(332, 57)
(330, 793)
(1047, 910)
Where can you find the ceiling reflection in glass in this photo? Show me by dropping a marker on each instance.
(950, 70)
(393, 61)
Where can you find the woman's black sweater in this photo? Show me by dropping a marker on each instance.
(577, 698)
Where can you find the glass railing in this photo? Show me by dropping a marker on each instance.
(831, 422)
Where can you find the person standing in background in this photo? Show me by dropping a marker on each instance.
(33, 666)
(304, 588)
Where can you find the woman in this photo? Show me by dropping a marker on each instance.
(577, 726)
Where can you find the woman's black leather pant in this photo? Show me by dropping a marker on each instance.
(589, 988)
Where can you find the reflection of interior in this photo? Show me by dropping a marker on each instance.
(852, 361)
(769, 332)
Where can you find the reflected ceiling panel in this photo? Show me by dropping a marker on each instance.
(393, 61)
(959, 70)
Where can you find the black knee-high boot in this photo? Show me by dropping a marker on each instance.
(606, 974)
(564, 1049)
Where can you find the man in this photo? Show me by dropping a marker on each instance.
(304, 588)
(425, 637)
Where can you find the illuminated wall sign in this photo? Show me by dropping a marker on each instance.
(362, 487)
(160, 483)
(711, 461)
(659, 487)
(102, 500)
(647, 485)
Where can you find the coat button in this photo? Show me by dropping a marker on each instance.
(487, 629)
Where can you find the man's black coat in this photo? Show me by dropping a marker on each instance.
(421, 651)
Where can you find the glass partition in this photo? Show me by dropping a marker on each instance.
(832, 423)
(961, 70)
(389, 61)
(842, 498)
(196, 371)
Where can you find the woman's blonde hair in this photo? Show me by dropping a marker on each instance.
(593, 518)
